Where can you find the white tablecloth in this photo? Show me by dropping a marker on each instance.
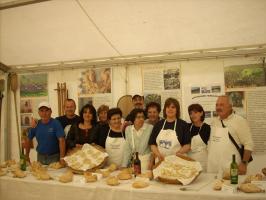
(29, 188)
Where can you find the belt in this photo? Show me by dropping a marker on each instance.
(43, 154)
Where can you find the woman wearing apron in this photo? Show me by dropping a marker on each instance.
(111, 137)
(200, 133)
(137, 137)
(170, 136)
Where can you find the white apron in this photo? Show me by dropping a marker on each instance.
(199, 150)
(167, 141)
(144, 159)
(115, 149)
(220, 151)
(66, 129)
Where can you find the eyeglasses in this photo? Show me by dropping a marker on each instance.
(140, 117)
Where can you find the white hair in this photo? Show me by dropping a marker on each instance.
(229, 99)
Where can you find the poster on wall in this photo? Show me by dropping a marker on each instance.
(95, 87)
(245, 76)
(161, 83)
(95, 81)
(206, 96)
(33, 85)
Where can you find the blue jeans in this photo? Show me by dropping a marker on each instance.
(48, 159)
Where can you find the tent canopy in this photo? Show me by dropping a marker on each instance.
(63, 30)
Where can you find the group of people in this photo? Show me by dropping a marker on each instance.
(143, 131)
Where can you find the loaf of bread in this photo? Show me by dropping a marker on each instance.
(140, 184)
(66, 177)
(124, 176)
(250, 188)
(113, 181)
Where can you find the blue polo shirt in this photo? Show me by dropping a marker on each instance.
(47, 136)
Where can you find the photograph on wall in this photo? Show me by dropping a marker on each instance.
(33, 85)
(239, 102)
(171, 79)
(95, 81)
(26, 119)
(206, 89)
(83, 101)
(216, 89)
(245, 76)
(195, 90)
(208, 114)
(26, 106)
(152, 98)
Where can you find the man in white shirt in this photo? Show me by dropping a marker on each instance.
(220, 146)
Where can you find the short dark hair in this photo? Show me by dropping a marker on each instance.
(153, 105)
(113, 111)
(137, 96)
(92, 111)
(135, 112)
(196, 108)
(168, 102)
(69, 100)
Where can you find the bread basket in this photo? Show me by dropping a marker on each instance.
(187, 165)
(93, 169)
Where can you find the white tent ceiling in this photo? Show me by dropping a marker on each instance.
(62, 30)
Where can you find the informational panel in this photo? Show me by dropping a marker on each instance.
(256, 112)
(206, 96)
(161, 82)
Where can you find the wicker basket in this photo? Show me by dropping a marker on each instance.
(174, 181)
(101, 165)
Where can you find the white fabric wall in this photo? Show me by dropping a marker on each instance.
(3, 112)
(193, 73)
(58, 30)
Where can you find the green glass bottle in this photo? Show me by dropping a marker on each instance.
(23, 164)
(234, 171)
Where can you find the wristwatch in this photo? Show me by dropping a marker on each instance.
(244, 162)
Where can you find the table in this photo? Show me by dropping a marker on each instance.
(29, 188)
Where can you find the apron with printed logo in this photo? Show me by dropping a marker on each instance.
(167, 141)
(115, 149)
(220, 150)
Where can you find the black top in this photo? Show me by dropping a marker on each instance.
(182, 131)
(64, 121)
(100, 134)
(204, 132)
(77, 135)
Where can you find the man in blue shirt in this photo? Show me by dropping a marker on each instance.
(49, 135)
